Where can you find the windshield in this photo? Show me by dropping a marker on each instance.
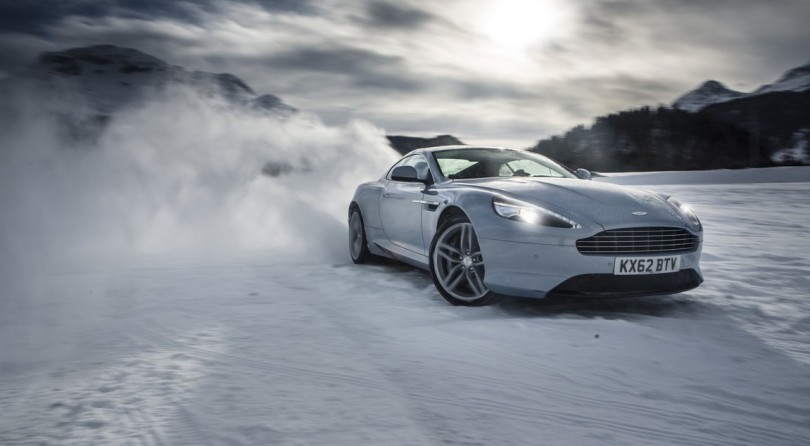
(486, 163)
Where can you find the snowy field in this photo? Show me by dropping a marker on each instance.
(259, 349)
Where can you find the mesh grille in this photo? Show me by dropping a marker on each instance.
(638, 241)
(608, 285)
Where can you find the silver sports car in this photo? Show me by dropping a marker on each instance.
(489, 221)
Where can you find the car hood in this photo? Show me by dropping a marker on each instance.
(608, 205)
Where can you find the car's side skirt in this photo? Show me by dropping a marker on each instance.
(386, 248)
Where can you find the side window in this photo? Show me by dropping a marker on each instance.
(417, 161)
(527, 168)
(452, 167)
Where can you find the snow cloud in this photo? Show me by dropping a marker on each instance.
(181, 176)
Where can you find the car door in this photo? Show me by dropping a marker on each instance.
(401, 209)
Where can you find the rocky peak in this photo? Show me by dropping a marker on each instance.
(710, 92)
(97, 58)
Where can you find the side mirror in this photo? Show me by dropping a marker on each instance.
(584, 174)
(405, 173)
(410, 175)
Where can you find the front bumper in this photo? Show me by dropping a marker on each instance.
(539, 270)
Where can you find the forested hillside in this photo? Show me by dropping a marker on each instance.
(649, 139)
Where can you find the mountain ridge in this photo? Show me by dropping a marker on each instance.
(713, 92)
(709, 92)
(110, 77)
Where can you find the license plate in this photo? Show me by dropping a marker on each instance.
(628, 266)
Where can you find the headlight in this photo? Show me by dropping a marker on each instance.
(529, 213)
(686, 212)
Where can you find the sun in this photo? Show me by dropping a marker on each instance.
(519, 24)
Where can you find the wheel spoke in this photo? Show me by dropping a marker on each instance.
(478, 280)
(450, 249)
(458, 268)
(469, 274)
(448, 257)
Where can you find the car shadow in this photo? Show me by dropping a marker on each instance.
(665, 306)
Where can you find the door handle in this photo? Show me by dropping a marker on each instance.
(386, 195)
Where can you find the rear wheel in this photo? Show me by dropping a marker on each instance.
(358, 243)
(457, 266)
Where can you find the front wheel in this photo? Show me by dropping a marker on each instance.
(457, 266)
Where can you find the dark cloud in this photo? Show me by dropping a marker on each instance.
(332, 59)
(287, 6)
(34, 16)
(388, 15)
(628, 9)
(601, 26)
(724, 5)
(747, 41)
(365, 69)
(568, 93)
(725, 14)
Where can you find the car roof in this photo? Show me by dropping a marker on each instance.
(452, 147)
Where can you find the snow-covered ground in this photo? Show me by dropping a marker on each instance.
(157, 289)
(756, 255)
(256, 349)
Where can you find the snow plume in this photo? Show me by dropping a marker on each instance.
(184, 175)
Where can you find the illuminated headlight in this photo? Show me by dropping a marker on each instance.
(529, 213)
(685, 212)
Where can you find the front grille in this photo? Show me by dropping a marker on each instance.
(639, 241)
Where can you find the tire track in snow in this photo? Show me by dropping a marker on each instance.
(156, 335)
(369, 385)
(436, 424)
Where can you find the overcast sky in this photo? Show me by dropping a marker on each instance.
(504, 72)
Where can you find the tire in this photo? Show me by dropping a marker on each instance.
(456, 264)
(358, 243)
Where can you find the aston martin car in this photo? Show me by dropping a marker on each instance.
(488, 222)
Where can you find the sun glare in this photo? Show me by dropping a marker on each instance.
(518, 24)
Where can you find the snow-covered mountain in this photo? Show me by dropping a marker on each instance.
(109, 78)
(797, 79)
(710, 92)
(713, 92)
